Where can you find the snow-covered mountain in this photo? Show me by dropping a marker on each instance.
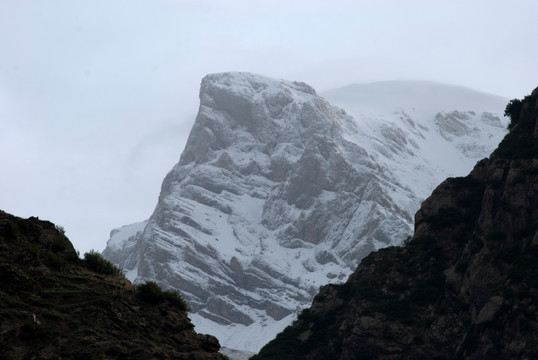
(279, 192)
(439, 130)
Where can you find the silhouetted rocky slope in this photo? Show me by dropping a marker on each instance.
(464, 287)
(53, 306)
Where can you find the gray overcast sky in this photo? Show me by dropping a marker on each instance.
(97, 97)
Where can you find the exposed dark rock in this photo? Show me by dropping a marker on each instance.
(464, 287)
(53, 306)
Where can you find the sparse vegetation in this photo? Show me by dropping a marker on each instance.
(98, 263)
(60, 243)
(151, 292)
(60, 229)
(512, 110)
(12, 230)
(54, 305)
(519, 143)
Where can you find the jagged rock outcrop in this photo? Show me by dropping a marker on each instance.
(464, 287)
(52, 306)
(278, 192)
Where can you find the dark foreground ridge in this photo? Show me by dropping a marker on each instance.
(54, 305)
(464, 287)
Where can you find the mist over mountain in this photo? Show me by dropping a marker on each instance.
(279, 192)
(464, 287)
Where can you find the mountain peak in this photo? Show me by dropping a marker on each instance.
(251, 83)
(279, 192)
(256, 111)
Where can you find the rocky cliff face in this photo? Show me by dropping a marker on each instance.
(464, 287)
(278, 192)
(53, 306)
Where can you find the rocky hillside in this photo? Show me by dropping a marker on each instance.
(279, 192)
(54, 305)
(464, 287)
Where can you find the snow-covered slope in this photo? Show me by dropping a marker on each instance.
(279, 192)
(439, 130)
